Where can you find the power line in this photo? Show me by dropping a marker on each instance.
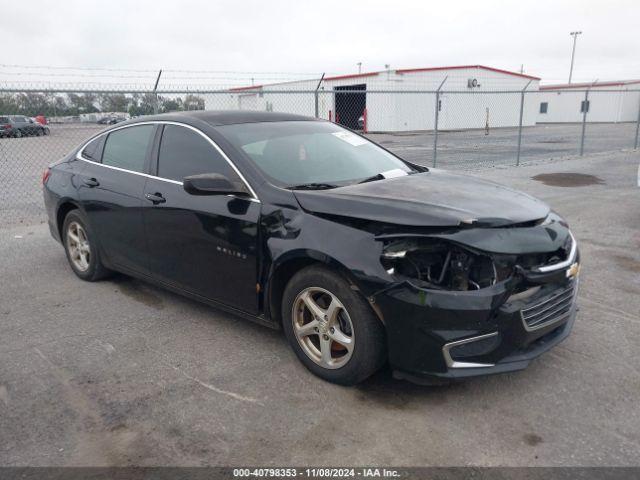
(97, 69)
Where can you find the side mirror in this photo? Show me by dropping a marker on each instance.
(212, 184)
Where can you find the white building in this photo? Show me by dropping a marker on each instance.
(394, 100)
(617, 101)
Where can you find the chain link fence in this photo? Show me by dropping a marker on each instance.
(447, 129)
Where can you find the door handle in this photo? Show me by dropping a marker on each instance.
(91, 182)
(156, 198)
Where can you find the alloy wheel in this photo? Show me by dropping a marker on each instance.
(323, 327)
(78, 246)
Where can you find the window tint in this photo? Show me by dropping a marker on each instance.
(127, 148)
(184, 152)
(544, 107)
(90, 152)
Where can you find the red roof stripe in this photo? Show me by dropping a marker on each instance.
(563, 86)
(460, 67)
(401, 71)
(353, 75)
(250, 87)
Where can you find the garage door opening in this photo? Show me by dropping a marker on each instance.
(350, 105)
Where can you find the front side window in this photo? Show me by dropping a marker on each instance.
(294, 153)
(127, 148)
(184, 152)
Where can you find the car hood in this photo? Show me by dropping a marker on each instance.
(435, 198)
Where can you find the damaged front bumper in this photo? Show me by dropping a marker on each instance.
(458, 334)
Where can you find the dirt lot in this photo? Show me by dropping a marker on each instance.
(121, 373)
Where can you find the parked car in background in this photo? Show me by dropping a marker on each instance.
(5, 127)
(18, 126)
(40, 120)
(112, 120)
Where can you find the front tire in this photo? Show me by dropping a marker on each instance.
(81, 248)
(331, 328)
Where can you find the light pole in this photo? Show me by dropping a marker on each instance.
(573, 52)
(359, 67)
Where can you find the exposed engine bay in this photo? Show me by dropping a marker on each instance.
(439, 264)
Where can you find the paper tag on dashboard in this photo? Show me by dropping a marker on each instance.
(396, 172)
(350, 138)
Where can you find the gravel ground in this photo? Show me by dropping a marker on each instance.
(122, 373)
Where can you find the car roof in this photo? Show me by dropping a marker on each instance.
(226, 117)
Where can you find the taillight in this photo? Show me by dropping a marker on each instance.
(8, 126)
(45, 175)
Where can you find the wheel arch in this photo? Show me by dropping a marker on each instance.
(64, 207)
(291, 263)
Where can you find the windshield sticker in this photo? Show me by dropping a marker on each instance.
(350, 138)
(396, 172)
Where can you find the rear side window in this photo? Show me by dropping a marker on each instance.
(184, 152)
(127, 148)
(91, 151)
(4, 119)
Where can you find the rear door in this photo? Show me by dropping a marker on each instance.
(205, 244)
(112, 192)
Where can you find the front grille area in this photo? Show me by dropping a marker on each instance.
(551, 310)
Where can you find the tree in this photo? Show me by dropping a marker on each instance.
(113, 102)
(142, 104)
(81, 103)
(8, 104)
(193, 102)
(171, 104)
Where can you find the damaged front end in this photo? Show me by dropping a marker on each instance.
(475, 301)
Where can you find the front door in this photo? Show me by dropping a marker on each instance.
(207, 244)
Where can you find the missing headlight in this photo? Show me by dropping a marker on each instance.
(443, 265)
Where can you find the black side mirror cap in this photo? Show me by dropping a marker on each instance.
(213, 184)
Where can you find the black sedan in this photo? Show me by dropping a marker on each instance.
(297, 223)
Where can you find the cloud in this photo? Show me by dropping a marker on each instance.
(331, 36)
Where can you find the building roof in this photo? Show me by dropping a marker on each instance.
(612, 83)
(397, 71)
(461, 67)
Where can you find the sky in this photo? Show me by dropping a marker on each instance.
(212, 41)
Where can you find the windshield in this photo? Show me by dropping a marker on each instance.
(306, 152)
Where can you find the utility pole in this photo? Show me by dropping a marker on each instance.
(573, 52)
(359, 67)
(156, 107)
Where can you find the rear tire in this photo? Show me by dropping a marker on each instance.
(18, 134)
(331, 328)
(81, 248)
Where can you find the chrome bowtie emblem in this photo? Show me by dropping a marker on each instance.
(573, 270)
